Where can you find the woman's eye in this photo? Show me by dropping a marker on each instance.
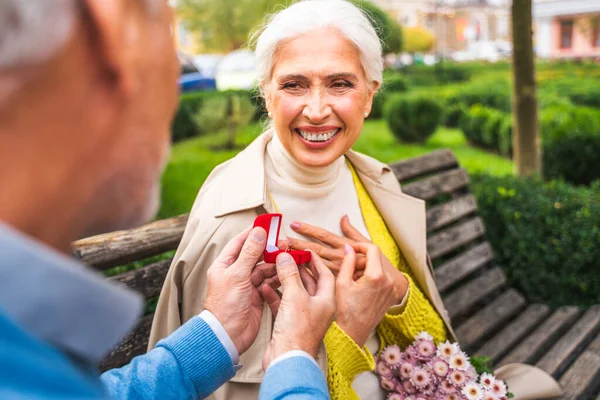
(342, 85)
(291, 85)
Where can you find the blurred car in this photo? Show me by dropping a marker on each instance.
(237, 70)
(207, 63)
(481, 50)
(191, 79)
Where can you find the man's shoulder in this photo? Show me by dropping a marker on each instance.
(33, 369)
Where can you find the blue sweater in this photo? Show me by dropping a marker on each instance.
(189, 364)
(58, 319)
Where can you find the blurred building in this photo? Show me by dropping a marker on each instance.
(567, 28)
(456, 24)
(185, 42)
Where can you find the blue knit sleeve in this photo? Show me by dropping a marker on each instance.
(295, 378)
(191, 363)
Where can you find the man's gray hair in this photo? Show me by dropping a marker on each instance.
(31, 31)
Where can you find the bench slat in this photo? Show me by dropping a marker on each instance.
(133, 345)
(452, 238)
(462, 300)
(121, 247)
(463, 265)
(582, 379)
(444, 214)
(438, 160)
(148, 280)
(446, 182)
(533, 347)
(503, 342)
(556, 361)
(489, 319)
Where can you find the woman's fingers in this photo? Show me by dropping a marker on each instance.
(322, 235)
(323, 251)
(350, 231)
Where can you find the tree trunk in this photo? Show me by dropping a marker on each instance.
(526, 139)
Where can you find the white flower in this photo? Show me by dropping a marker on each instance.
(499, 388)
(392, 356)
(487, 380)
(490, 396)
(457, 378)
(387, 384)
(440, 367)
(406, 370)
(447, 350)
(424, 336)
(420, 378)
(383, 369)
(459, 361)
(473, 391)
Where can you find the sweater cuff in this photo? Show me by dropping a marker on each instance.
(347, 356)
(201, 355)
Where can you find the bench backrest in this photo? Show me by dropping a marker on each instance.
(455, 241)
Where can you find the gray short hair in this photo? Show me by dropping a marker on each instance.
(31, 31)
(308, 15)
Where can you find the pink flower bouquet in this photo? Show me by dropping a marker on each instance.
(424, 371)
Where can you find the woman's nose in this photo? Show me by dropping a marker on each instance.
(317, 109)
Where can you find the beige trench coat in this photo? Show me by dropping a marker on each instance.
(229, 201)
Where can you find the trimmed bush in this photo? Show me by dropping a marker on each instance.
(185, 124)
(488, 128)
(491, 130)
(545, 236)
(571, 144)
(412, 119)
(493, 95)
(395, 83)
(454, 114)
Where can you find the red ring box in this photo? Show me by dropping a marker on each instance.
(271, 223)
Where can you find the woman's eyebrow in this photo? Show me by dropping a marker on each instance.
(342, 75)
(292, 76)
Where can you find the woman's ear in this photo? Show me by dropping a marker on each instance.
(373, 89)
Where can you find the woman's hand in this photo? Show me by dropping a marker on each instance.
(362, 303)
(331, 250)
(330, 247)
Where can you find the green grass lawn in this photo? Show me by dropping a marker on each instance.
(191, 161)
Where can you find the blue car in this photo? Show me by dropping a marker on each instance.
(192, 80)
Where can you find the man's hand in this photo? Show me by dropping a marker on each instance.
(305, 311)
(231, 296)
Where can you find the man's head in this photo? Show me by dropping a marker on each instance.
(87, 93)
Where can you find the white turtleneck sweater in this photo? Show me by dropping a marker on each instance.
(318, 196)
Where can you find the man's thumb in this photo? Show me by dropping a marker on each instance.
(287, 272)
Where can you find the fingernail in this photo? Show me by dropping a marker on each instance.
(347, 248)
(295, 225)
(284, 259)
(258, 235)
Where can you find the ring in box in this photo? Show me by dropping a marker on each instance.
(271, 223)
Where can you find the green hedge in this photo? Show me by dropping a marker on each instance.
(546, 236)
(571, 143)
(490, 94)
(184, 126)
(412, 119)
(488, 128)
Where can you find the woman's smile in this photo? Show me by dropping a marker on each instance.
(315, 137)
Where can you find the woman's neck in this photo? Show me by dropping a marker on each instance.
(293, 175)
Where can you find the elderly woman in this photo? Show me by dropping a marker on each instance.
(320, 64)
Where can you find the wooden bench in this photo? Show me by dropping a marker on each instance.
(490, 317)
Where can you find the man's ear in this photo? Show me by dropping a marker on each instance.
(110, 22)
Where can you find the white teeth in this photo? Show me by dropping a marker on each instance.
(322, 137)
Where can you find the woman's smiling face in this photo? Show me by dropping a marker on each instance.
(318, 95)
